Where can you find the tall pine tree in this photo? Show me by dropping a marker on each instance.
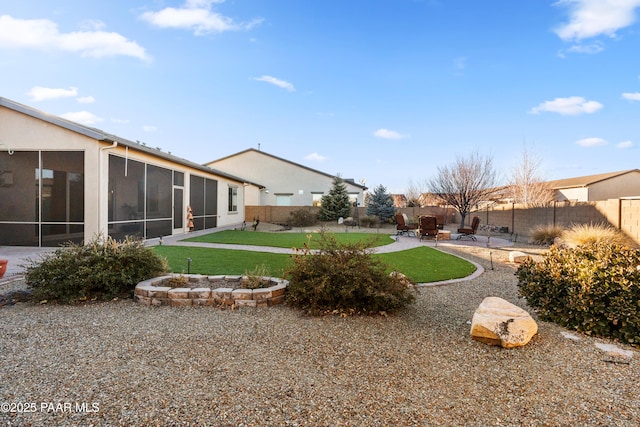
(380, 204)
(335, 204)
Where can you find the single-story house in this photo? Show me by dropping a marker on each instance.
(285, 183)
(61, 181)
(612, 185)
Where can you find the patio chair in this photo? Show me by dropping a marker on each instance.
(428, 226)
(469, 231)
(403, 226)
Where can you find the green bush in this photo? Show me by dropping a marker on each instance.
(302, 218)
(594, 289)
(343, 277)
(101, 269)
(546, 234)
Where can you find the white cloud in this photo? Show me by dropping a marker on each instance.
(92, 25)
(86, 100)
(571, 106)
(592, 18)
(274, 81)
(625, 144)
(316, 157)
(43, 34)
(631, 96)
(589, 49)
(39, 93)
(592, 142)
(149, 128)
(82, 117)
(389, 134)
(196, 16)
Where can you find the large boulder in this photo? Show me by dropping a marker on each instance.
(498, 322)
(518, 257)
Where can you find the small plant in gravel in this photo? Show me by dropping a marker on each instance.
(177, 281)
(545, 234)
(256, 278)
(584, 234)
(343, 278)
(592, 288)
(101, 269)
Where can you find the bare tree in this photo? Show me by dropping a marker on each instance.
(527, 186)
(414, 193)
(465, 183)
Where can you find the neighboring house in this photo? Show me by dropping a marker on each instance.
(613, 185)
(399, 200)
(285, 183)
(61, 181)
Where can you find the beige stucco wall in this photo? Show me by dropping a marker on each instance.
(627, 185)
(252, 195)
(21, 132)
(225, 218)
(579, 194)
(279, 178)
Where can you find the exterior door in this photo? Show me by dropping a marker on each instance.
(178, 211)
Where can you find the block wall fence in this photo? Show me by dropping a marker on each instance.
(623, 214)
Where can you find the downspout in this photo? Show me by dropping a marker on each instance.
(100, 193)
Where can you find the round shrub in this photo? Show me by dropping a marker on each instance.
(101, 269)
(344, 277)
(302, 218)
(370, 221)
(593, 288)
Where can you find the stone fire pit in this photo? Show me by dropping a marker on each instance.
(195, 289)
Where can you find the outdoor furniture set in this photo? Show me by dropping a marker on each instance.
(428, 226)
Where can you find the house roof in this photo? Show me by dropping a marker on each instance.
(350, 181)
(101, 136)
(585, 181)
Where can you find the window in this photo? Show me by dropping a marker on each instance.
(42, 197)
(140, 201)
(203, 196)
(159, 191)
(317, 199)
(283, 199)
(233, 199)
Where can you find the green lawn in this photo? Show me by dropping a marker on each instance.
(425, 264)
(287, 240)
(421, 265)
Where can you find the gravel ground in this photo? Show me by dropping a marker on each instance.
(134, 365)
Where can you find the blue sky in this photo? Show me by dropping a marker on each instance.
(382, 90)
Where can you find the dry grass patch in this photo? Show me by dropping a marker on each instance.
(589, 234)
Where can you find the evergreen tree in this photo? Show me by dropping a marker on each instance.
(335, 204)
(380, 204)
